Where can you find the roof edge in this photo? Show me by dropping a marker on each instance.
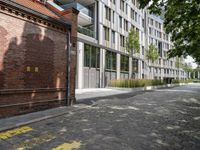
(14, 4)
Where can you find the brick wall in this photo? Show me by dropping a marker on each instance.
(32, 66)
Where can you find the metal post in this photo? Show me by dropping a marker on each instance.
(67, 101)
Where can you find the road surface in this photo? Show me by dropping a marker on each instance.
(164, 119)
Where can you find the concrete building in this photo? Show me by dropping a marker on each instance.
(103, 28)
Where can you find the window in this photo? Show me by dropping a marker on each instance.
(143, 23)
(135, 65)
(113, 36)
(122, 42)
(167, 37)
(136, 17)
(122, 5)
(124, 63)
(126, 8)
(120, 21)
(142, 64)
(113, 1)
(160, 48)
(113, 17)
(108, 13)
(159, 25)
(133, 1)
(150, 31)
(138, 32)
(156, 24)
(126, 25)
(132, 14)
(159, 61)
(91, 56)
(106, 33)
(171, 63)
(152, 22)
(142, 50)
(111, 59)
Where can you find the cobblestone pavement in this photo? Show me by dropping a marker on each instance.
(164, 119)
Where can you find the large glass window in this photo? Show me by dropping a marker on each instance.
(122, 5)
(106, 33)
(91, 56)
(113, 36)
(135, 66)
(110, 60)
(122, 41)
(120, 21)
(108, 13)
(124, 63)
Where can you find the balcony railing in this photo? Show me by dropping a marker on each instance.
(79, 7)
(86, 31)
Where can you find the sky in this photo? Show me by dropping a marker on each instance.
(189, 59)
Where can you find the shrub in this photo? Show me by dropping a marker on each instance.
(133, 83)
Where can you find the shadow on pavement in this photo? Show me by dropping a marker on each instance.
(91, 101)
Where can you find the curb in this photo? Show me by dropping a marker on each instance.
(33, 121)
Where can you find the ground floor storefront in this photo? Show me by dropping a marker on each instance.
(97, 66)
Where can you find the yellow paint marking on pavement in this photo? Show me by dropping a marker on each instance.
(68, 146)
(31, 143)
(14, 132)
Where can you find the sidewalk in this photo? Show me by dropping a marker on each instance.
(84, 96)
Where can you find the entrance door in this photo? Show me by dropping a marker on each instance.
(91, 66)
(91, 78)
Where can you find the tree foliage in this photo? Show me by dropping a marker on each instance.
(187, 67)
(132, 42)
(152, 53)
(182, 21)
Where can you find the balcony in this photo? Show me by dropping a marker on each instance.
(82, 2)
(86, 31)
(84, 17)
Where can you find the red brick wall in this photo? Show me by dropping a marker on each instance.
(32, 66)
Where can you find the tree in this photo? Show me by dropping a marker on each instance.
(182, 19)
(132, 42)
(187, 67)
(179, 62)
(152, 54)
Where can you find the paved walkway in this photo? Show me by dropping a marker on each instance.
(84, 96)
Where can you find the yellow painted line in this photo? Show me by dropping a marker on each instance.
(31, 143)
(68, 146)
(14, 132)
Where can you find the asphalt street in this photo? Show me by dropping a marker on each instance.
(163, 119)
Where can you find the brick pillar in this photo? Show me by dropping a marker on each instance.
(72, 15)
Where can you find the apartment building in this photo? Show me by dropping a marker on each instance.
(102, 56)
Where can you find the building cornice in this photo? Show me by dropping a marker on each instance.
(13, 9)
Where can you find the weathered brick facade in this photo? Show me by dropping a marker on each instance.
(33, 61)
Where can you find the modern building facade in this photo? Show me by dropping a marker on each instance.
(102, 56)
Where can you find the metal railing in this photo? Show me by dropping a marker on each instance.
(86, 31)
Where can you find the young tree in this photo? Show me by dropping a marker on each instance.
(132, 42)
(152, 54)
(182, 21)
(187, 67)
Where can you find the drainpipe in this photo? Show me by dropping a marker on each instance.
(68, 85)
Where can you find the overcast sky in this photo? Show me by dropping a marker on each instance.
(191, 60)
